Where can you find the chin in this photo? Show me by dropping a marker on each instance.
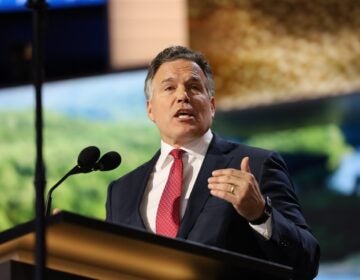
(187, 137)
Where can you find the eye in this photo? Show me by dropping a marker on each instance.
(169, 88)
(195, 88)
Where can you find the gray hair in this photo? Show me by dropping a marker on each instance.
(178, 52)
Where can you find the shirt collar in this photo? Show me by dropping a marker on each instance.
(196, 148)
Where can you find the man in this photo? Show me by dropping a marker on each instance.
(233, 196)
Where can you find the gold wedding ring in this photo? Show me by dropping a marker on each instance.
(232, 189)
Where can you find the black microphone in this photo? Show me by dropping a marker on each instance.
(86, 161)
(107, 162)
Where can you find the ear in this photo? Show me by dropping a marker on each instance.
(212, 104)
(149, 111)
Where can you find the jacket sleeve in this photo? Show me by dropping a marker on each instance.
(291, 242)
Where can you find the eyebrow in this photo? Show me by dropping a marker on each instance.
(194, 79)
(170, 79)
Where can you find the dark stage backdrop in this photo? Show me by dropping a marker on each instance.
(75, 39)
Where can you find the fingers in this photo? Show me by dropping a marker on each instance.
(232, 179)
(239, 187)
(223, 187)
(226, 180)
(226, 186)
(244, 166)
(224, 191)
(229, 172)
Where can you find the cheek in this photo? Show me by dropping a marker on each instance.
(206, 109)
(157, 112)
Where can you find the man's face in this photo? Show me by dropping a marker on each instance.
(180, 105)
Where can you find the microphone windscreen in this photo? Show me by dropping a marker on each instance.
(109, 161)
(88, 158)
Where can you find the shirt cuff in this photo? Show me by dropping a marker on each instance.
(264, 229)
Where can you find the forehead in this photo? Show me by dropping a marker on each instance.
(179, 68)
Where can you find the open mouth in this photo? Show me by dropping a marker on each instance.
(184, 114)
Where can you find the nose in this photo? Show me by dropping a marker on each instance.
(182, 96)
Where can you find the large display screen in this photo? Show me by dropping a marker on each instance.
(107, 111)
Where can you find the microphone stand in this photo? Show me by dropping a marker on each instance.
(75, 170)
(39, 7)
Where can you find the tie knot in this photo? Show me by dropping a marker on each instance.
(177, 153)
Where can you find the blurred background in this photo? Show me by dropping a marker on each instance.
(287, 76)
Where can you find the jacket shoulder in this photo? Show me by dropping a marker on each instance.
(237, 148)
(135, 174)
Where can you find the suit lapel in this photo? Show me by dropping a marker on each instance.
(139, 187)
(214, 159)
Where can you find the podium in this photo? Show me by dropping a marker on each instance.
(84, 248)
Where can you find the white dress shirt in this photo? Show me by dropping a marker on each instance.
(192, 160)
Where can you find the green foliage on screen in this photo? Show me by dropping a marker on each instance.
(323, 140)
(64, 138)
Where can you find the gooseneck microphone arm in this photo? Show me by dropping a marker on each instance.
(49, 197)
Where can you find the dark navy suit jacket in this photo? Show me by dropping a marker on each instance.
(212, 221)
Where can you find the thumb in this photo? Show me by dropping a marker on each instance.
(244, 166)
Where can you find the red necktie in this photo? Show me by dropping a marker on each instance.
(168, 213)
